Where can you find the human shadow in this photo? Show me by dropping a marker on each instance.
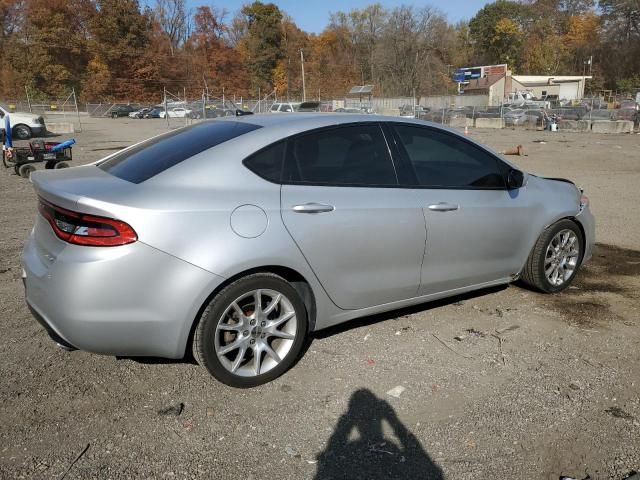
(359, 449)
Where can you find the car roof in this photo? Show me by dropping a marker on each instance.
(275, 128)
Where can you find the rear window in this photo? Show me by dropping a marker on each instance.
(160, 153)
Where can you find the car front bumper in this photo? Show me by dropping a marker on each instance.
(131, 300)
(39, 131)
(588, 222)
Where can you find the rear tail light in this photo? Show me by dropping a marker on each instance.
(82, 229)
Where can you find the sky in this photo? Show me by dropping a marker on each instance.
(313, 15)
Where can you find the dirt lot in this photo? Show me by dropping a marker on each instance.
(540, 386)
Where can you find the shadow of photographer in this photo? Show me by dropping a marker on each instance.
(358, 448)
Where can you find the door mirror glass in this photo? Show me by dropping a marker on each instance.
(515, 179)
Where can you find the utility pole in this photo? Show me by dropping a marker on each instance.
(26, 90)
(304, 88)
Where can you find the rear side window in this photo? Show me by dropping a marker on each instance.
(267, 163)
(160, 153)
(351, 155)
(443, 160)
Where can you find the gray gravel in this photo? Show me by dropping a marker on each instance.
(537, 386)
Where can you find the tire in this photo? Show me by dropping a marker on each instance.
(59, 165)
(21, 132)
(552, 264)
(25, 170)
(50, 164)
(237, 367)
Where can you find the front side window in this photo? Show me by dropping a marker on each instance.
(442, 160)
(348, 155)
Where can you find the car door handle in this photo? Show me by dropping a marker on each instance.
(443, 207)
(313, 208)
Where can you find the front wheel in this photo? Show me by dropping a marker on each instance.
(22, 132)
(555, 258)
(252, 331)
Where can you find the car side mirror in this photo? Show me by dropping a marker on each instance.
(515, 179)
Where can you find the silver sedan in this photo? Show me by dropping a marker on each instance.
(237, 238)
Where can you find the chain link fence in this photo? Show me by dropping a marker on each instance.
(457, 111)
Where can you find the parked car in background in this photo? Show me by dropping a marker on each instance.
(121, 111)
(572, 113)
(237, 238)
(600, 115)
(521, 117)
(140, 113)
(154, 113)
(212, 111)
(284, 107)
(348, 110)
(177, 112)
(629, 114)
(314, 106)
(24, 125)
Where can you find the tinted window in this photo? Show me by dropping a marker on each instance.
(354, 155)
(267, 163)
(440, 159)
(160, 153)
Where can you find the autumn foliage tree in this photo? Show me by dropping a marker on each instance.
(121, 50)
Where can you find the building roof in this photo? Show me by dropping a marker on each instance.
(549, 79)
(483, 83)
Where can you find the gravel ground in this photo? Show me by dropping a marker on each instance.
(538, 386)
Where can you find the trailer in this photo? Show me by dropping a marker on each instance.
(54, 155)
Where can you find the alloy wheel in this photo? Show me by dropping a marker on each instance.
(255, 333)
(561, 257)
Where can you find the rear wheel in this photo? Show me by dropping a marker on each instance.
(252, 331)
(25, 170)
(61, 165)
(555, 259)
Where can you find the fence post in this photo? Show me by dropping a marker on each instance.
(166, 111)
(184, 95)
(26, 90)
(75, 101)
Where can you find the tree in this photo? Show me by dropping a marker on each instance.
(173, 18)
(49, 48)
(497, 31)
(263, 43)
(214, 62)
(120, 33)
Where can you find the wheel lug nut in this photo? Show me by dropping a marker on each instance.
(252, 341)
(252, 322)
(262, 324)
(245, 333)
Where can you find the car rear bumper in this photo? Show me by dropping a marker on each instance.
(130, 300)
